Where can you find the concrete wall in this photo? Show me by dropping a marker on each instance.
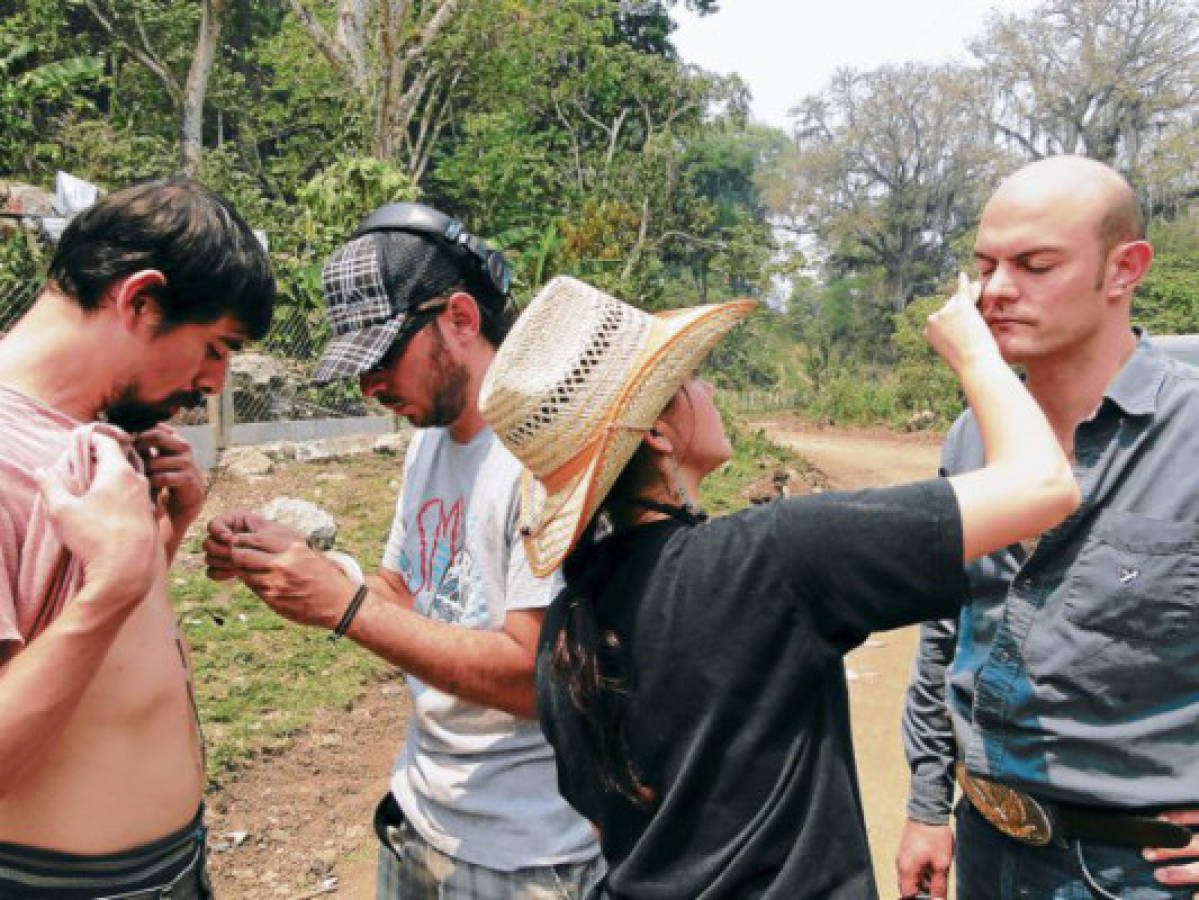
(251, 433)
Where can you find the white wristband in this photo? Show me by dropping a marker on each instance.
(347, 564)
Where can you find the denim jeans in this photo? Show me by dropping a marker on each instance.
(992, 866)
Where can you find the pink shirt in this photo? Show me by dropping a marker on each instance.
(37, 574)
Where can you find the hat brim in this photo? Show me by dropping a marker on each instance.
(553, 520)
(349, 355)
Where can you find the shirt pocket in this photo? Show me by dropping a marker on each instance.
(1136, 580)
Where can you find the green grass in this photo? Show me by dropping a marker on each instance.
(260, 679)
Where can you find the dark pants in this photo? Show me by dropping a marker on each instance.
(992, 866)
(172, 868)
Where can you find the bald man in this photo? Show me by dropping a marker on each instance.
(1066, 698)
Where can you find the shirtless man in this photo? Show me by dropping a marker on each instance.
(101, 765)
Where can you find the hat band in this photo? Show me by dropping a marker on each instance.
(561, 476)
(557, 480)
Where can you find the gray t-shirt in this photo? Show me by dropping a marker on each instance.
(476, 783)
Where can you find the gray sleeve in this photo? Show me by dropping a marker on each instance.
(927, 733)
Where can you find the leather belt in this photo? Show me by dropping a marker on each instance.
(1038, 823)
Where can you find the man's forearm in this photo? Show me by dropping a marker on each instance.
(927, 731)
(490, 668)
(41, 686)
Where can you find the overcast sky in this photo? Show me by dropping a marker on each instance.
(785, 49)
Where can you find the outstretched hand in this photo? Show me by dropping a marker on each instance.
(110, 527)
(957, 331)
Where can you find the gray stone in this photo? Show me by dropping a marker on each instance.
(246, 462)
(315, 451)
(921, 421)
(316, 524)
(336, 447)
(390, 444)
(280, 450)
(264, 386)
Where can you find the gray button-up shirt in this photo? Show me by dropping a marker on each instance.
(1076, 672)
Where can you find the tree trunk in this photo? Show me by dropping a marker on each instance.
(191, 144)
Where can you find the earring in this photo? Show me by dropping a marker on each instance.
(678, 490)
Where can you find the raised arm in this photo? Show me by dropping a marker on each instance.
(1026, 486)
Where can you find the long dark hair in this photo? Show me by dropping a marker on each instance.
(587, 656)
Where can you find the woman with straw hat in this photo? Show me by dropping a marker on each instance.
(690, 674)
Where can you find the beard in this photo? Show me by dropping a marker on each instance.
(448, 397)
(133, 414)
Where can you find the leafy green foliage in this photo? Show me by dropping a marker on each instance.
(1167, 302)
(923, 382)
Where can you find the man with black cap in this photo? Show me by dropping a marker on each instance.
(417, 307)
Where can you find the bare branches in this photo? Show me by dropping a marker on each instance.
(330, 47)
(143, 51)
(401, 77)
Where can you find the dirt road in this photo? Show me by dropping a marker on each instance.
(297, 825)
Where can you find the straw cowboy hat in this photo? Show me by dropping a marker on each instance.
(573, 389)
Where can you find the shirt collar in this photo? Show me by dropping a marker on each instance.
(1136, 386)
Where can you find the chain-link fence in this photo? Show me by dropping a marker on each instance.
(270, 381)
(14, 300)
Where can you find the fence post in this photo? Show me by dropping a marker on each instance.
(220, 417)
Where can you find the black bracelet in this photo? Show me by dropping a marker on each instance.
(348, 616)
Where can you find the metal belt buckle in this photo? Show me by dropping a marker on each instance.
(1012, 812)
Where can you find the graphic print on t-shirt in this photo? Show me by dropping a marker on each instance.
(441, 576)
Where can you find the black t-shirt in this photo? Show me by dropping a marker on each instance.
(738, 716)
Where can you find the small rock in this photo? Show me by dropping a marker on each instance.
(317, 526)
(921, 420)
(313, 451)
(247, 462)
(390, 444)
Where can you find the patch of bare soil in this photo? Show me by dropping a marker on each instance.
(853, 458)
(298, 824)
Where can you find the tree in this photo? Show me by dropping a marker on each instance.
(387, 52)
(1116, 80)
(888, 166)
(125, 23)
